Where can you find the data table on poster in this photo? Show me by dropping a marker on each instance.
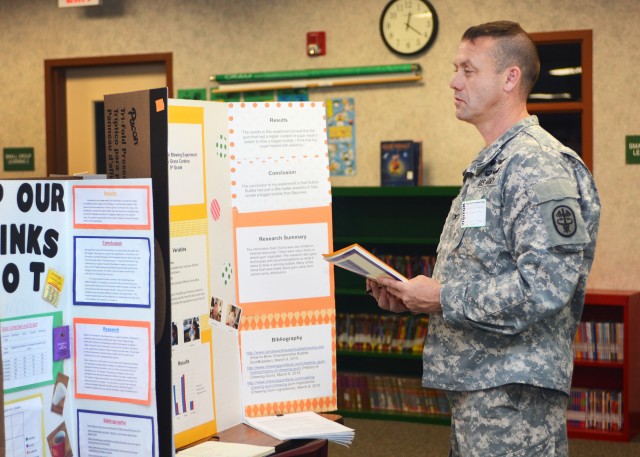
(26, 348)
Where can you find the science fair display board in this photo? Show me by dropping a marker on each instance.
(252, 305)
(76, 317)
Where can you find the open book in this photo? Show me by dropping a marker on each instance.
(358, 260)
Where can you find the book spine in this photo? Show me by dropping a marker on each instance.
(599, 341)
(595, 409)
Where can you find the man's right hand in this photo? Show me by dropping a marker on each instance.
(385, 300)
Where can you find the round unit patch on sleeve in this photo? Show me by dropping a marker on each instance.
(561, 215)
(564, 220)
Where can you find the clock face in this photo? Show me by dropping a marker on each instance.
(408, 27)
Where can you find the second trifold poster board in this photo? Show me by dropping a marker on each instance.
(77, 306)
(251, 183)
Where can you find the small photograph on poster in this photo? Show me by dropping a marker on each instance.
(341, 132)
(59, 443)
(232, 316)
(215, 309)
(174, 334)
(59, 393)
(191, 329)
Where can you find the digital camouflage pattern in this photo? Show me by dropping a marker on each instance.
(513, 420)
(513, 290)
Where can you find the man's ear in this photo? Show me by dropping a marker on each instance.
(512, 80)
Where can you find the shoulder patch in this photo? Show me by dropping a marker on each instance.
(564, 221)
(561, 214)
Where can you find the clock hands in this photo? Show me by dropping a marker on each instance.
(417, 31)
(409, 26)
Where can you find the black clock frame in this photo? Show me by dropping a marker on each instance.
(427, 45)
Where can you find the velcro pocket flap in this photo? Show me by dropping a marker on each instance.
(555, 189)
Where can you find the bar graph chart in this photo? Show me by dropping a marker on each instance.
(180, 397)
(191, 387)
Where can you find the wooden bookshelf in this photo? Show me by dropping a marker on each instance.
(396, 221)
(402, 220)
(622, 376)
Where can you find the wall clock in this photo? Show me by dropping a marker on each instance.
(408, 27)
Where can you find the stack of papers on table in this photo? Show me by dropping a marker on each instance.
(306, 425)
(220, 449)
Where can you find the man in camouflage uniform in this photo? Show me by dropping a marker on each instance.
(509, 284)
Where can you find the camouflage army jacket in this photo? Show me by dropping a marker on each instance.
(513, 261)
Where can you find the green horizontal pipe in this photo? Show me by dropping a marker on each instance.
(231, 78)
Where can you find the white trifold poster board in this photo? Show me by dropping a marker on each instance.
(250, 203)
(76, 317)
(252, 303)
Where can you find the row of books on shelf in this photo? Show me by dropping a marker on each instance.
(599, 341)
(392, 394)
(595, 410)
(408, 265)
(589, 409)
(381, 332)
